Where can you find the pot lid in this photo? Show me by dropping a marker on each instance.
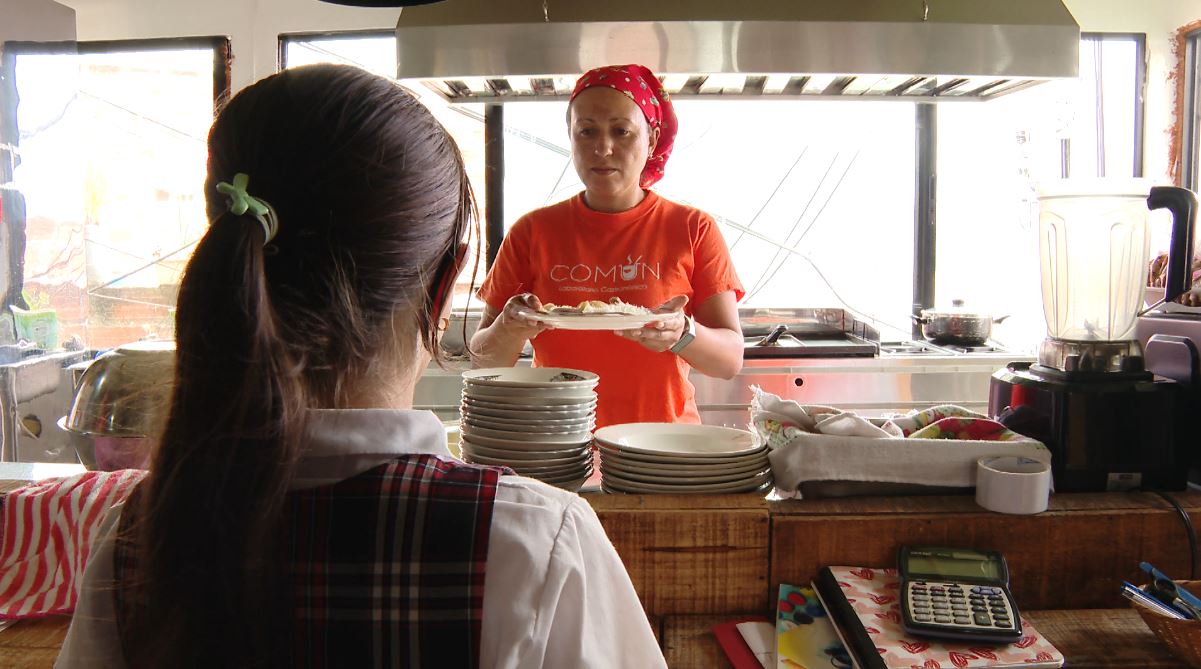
(956, 310)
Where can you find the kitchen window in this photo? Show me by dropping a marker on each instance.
(786, 182)
(102, 178)
(816, 199)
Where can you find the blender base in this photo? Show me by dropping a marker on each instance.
(1116, 434)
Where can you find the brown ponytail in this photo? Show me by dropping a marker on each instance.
(373, 204)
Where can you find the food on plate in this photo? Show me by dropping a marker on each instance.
(613, 306)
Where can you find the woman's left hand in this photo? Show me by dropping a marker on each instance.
(661, 334)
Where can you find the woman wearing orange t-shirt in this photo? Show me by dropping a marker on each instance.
(619, 239)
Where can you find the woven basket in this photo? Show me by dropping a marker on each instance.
(1182, 637)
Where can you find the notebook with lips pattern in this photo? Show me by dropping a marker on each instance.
(865, 604)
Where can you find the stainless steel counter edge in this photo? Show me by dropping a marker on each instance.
(905, 364)
(868, 386)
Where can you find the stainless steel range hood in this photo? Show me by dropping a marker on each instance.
(510, 50)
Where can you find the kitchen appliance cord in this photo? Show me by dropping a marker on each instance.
(1188, 528)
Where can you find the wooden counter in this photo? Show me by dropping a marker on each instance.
(727, 554)
(1089, 639)
(696, 560)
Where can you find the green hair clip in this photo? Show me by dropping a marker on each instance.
(241, 202)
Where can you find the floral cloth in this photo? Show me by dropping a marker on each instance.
(643, 87)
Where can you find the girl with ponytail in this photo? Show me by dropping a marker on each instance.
(298, 512)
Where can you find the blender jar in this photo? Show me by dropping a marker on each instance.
(1094, 242)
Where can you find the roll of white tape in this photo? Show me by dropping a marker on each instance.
(1012, 484)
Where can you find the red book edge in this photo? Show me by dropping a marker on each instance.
(734, 645)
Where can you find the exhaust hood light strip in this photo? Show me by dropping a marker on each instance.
(816, 84)
(1013, 87)
(861, 84)
(499, 87)
(723, 83)
(906, 85)
(776, 83)
(948, 87)
(694, 85)
(839, 85)
(673, 82)
(735, 86)
(796, 85)
(979, 92)
(458, 88)
(434, 85)
(754, 85)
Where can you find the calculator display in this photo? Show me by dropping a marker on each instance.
(959, 565)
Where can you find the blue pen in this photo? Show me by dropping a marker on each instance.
(1185, 596)
(1132, 592)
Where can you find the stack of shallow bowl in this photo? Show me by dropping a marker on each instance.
(536, 420)
(681, 458)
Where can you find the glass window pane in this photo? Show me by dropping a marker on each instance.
(815, 199)
(990, 158)
(112, 155)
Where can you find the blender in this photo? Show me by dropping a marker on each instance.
(1110, 423)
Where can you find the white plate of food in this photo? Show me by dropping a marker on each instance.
(595, 315)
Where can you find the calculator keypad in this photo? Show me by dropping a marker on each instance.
(960, 605)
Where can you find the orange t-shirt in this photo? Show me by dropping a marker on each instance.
(567, 253)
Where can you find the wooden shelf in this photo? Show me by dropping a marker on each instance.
(725, 554)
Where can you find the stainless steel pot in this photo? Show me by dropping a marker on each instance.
(121, 405)
(957, 325)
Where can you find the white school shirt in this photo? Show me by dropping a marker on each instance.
(555, 592)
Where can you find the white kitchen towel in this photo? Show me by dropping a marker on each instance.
(930, 462)
(849, 425)
(46, 532)
(778, 420)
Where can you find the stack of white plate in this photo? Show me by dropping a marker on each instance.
(536, 420)
(681, 458)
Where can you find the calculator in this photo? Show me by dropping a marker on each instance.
(957, 593)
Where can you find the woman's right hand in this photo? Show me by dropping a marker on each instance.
(516, 318)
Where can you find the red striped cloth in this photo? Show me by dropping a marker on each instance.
(46, 533)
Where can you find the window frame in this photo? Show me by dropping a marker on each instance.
(13, 241)
(1189, 119)
(284, 39)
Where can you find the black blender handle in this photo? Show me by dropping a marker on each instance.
(1183, 205)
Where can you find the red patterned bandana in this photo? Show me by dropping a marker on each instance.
(643, 87)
